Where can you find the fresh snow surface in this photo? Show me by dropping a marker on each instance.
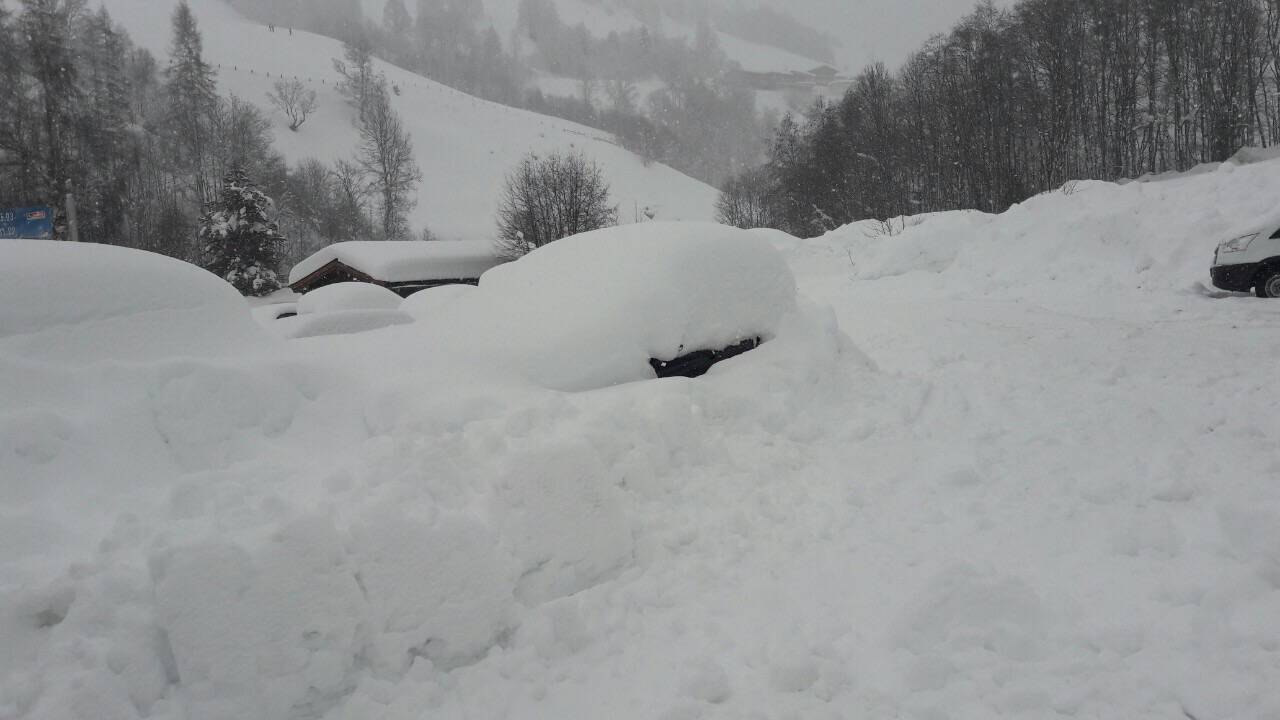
(405, 260)
(465, 146)
(1015, 466)
(348, 296)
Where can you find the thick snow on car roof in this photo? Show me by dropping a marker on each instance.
(590, 310)
(73, 303)
(405, 260)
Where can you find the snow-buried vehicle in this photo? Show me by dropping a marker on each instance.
(624, 304)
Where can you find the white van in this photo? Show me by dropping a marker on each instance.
(1250, 262)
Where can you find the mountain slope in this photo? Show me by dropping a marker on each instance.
(464, 145)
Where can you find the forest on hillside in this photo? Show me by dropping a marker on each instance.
(146, 149)
(1014, 102)
(701, 122)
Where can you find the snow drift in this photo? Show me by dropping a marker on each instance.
(1056, 499)
(273, 531)
(1112, 239)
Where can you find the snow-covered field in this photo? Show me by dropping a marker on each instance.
(1017, 466)
(464, 145)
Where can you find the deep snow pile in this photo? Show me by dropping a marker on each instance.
(1108, 239)
(1044, 494)
(276, 534)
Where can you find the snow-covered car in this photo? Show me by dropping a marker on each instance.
(338, 309)
(621, 304)
(1250, 262)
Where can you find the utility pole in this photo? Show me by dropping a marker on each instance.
(73, 224)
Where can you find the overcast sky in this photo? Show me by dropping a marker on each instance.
(884, 30)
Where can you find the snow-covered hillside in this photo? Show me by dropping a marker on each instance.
(601, 19)
(1014, 466)
(464, 145)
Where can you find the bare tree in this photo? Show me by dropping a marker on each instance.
(748, 200)
(293, 99)
(386, 158)
(360, 82)
(622, 92)
(551, 197)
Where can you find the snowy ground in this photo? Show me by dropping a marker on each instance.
(1032, 474)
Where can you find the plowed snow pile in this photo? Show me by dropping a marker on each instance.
(1049, 491)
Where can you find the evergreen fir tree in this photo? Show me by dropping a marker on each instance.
(395, 18)
(241, 243)
(192, 97)
(46, 26)
(107, 147)
(16, 119)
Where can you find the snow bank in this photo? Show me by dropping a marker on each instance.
(348, 296)
(591, 310)
(298, 531)
(1102, 238)
(77, 302)
(404, 260)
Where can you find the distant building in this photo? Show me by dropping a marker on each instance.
(824, 74)
(404, 266)
(822, 81)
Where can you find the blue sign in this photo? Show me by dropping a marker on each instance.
(33, 223)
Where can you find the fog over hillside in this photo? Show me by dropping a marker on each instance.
(877, 30)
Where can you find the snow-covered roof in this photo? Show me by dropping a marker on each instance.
(405, 260)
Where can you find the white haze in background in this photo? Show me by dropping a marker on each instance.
(871, 31)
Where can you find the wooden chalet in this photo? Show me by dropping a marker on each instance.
(404, 267)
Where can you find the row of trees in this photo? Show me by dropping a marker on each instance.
(142, 147)
(1014, 102)
(148, 151)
